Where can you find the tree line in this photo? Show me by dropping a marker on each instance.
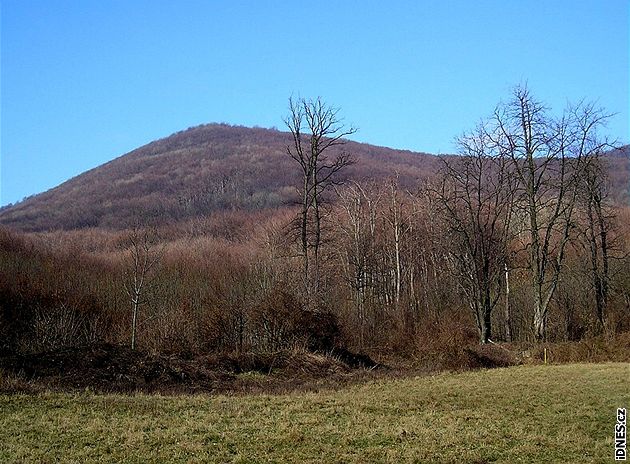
(525, 189)
(515, 239)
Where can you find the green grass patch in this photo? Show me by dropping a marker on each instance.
(559, 413)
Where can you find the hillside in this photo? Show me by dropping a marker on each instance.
(212, 168)
(194, 172)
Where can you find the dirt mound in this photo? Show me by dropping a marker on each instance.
(489, 356)
(113, 368)
(456, 347)
(284, 362)
(354, 360)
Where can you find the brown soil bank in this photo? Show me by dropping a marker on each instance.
(106, 368)
(112, 368)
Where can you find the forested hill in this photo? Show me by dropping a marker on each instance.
(211, 168)
(195, 172)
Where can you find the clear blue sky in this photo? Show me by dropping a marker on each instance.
(85, 81)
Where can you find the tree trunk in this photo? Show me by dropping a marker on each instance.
(303, 234)
(508, 321)
(134, 322)
(486, 328)
(539, 323)
(398, 263)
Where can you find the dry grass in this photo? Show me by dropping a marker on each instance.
(597, 349)
(519, 414)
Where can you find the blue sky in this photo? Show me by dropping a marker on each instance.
(85, 81)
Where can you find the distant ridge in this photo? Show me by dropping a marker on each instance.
(215, 167)
(193, 173)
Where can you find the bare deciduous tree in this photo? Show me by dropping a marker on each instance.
(476, 198)
(143, 256)
(547, 157)
(357, 248)
(595, 227)
(401, 224)
(316, 129)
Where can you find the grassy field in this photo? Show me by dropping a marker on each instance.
(560, 413)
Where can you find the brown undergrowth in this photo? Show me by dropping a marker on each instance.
(603, 348)
(111, 368)
(107, 368)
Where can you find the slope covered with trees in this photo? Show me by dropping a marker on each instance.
(223, 239)
(193, 173)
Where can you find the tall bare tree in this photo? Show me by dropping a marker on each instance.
(317, 129)
(357, 244)
(400, 221)
(595, 227)
(476, 198)
(547, 157)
